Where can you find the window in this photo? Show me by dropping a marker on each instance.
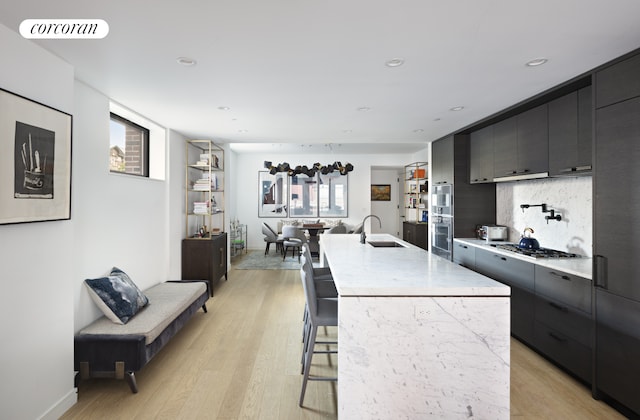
(129, 147)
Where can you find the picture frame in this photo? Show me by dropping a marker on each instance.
(272, 194)
(380, 192)
(35, 170)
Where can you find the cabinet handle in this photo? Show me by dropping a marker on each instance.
(558, 307)
(557, 337)
(502, 258)
(562, 276)
(600, 269)
(462, 246)
(576, 169)
(222, 257)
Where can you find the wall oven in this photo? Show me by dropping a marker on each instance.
(441, 200)
(442, 236)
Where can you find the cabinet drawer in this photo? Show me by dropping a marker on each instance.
(571, 355)
(522, 310)
(465, 255)
(618, 82)
(510, 271)
(566, 288)
(565, 319)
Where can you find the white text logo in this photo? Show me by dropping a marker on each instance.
(64, 28)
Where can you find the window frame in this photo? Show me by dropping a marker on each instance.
(145, 145)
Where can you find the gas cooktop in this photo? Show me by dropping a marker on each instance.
(536, 253)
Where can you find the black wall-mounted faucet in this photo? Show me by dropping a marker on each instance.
(552, 216)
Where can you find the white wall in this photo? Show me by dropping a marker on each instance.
(245, 173)
(36, 305)
(116, 220)
(388, 210)
(570, 197)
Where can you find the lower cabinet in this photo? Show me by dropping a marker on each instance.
(520, 276)
(551, 311)
(415, 233)
(205, 259)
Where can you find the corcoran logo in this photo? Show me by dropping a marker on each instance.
(64, 28)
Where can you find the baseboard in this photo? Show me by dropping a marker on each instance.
(61, 407)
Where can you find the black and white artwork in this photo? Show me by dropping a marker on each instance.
(35, 170)
(34, 161)
(273, 194)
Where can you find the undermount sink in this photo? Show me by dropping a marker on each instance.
(386, 244)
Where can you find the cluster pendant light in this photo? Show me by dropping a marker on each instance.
(309, 171)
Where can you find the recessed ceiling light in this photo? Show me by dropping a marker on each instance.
(364, 109)
(394, 62)
(418, 130)
(347, 131)
(457, 108)
(186, 61)
(243, 131)
(224, 108)
(536, 62)
(436, 119)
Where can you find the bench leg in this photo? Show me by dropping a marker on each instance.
(204, 308)
(131, 380)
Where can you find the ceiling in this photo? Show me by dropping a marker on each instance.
(291, 74)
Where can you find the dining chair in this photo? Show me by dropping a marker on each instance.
(293, 238)
(321, 312)
(271, 237)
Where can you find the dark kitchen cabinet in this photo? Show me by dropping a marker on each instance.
(481, 155)
(505, 149)
(617, 236)
(533, 141)
(618, 346)
(472, 204)
(618, 82)
(520, 276)
(521, 144)
(570, 133)
(205, 259)
(563, 329)
(464, 255)
(442, 155)
(415, 233)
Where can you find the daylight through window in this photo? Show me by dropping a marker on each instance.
(129, 150)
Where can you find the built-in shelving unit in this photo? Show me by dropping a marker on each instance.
(416, 194)
(204, 190)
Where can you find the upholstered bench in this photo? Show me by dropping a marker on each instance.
(107, 349)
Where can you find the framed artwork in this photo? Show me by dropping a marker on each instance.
(35, 167)
(380, 192)
(273, 194)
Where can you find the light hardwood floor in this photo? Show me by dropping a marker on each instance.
(241, 360)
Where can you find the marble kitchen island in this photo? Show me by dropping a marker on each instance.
(419, 336)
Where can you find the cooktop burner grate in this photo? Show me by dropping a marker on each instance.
(536, 253)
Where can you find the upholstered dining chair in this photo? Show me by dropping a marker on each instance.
(336, 229)
(271, 237)
(293, 238)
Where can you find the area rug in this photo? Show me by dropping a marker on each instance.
(256, 260)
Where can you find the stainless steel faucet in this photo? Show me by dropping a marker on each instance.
(363, 236)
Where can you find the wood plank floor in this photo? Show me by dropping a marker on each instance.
(241, 360)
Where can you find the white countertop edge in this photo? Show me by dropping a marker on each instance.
(582, 267)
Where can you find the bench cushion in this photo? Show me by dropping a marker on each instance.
(166, 302)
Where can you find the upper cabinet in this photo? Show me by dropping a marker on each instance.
(521, 145)
(618, 82)
(442, 161)
(570, 133)
(481, 156)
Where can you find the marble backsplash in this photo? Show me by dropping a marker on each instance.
(569, 197)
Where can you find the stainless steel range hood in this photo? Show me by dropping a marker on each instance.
(521, 176)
